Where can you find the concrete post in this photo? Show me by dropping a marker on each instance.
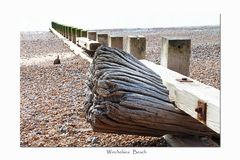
(136, 45)
(102, 39)
(175, 54)
(84, 33)
(92, 35)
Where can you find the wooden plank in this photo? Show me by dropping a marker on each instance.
(87, 44)
(187, 94)
(189, 141)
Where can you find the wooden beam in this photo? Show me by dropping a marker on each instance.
(76, 49)
(186, 95)
(88, 44)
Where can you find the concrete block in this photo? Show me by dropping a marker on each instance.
(92, 35)
(175, 54)
(136, 45)
(102, 39)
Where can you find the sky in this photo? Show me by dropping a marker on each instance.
(106, 14)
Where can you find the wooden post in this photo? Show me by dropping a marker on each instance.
(64, 30)
(59, 28)
(175, 54)
(70, 33)
(84, 33)
(102, 39)
(116, 42)
(52, 24)
(92, 35)
(74, 35)
(136, 45)
(79, 33)
(67, 32)
(56, 27)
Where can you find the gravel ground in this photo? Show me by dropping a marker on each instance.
(52, 97)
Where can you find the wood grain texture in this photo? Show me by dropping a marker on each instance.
(124, 96)
(187, 94)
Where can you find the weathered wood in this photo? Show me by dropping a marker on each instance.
(74, 35)
(124, 96)
(116, 42)
(102, 38)
(92, 35)
(87, 44)
(84, 33)
(76, 49)
(175, 54)
(136, 45)
(187, 94)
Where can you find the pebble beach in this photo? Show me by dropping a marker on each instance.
(52, 96)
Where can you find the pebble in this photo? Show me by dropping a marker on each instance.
(92, 140)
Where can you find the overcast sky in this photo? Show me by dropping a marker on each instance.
(100, 14)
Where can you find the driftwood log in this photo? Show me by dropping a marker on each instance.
(124, 96)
